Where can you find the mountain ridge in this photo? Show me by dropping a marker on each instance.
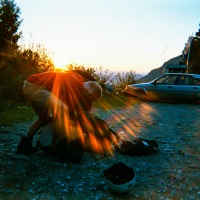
(160, 70)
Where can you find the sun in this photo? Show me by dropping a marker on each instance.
(60, 62)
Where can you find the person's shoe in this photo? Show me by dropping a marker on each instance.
(25, 146)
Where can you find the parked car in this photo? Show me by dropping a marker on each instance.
(170, 86)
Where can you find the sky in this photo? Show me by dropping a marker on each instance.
(118, 35)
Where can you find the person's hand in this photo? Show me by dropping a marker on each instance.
(25, 146)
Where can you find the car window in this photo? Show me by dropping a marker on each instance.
(187, 80)
(183, 80)
(167, 80)
(195, 81)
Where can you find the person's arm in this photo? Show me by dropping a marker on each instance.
(58, 107)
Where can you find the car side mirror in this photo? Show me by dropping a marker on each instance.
(153, 82)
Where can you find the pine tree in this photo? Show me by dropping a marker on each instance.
(9, 24)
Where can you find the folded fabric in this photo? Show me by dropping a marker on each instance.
(139, 146)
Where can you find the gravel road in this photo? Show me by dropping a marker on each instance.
(172, 173)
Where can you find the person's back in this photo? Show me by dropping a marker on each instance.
(66, 86)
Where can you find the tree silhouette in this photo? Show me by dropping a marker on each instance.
(194, 57)
(9, 24)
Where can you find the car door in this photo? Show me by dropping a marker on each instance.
(163, 88)
(186, 88)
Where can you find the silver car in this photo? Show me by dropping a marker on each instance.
(170, 86)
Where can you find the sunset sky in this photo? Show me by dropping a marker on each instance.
(119, 35)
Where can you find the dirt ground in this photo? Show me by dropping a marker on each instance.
(172, 173)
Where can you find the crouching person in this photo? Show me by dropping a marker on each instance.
(61, 95)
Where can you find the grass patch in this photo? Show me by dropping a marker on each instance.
(12, 114)
(18, 114)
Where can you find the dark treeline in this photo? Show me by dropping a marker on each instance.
(17, 62)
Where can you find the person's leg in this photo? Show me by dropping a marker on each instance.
(39, 100)
(43, 117)
(25, 145)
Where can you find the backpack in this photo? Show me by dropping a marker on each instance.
(138, 146)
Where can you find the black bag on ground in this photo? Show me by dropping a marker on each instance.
(137, 147)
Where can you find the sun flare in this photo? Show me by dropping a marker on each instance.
(60, 62)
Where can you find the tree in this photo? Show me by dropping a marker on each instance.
(194, 57)
(17, 62)
(9, 24)
(9, 36)
(34, 59)
(102, 77)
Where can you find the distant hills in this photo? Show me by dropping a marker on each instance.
(161, 70)
(139, 76)
(153, 73)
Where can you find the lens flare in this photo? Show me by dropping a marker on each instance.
(92, 131)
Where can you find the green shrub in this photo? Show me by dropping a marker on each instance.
(122, 80)
(16, 66)
(106, 78)
(102, 77)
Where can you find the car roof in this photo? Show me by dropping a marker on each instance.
(193, 75)
(196, 76)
